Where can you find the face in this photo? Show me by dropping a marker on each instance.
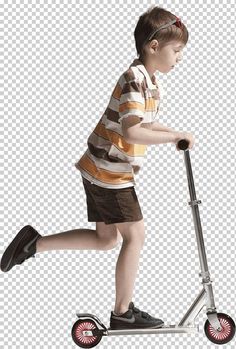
(165, 59)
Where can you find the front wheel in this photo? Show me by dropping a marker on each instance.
(80, 338)
(227, 332)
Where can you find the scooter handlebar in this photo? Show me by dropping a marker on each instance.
(183, 144)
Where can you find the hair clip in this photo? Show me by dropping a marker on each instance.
(176, 21)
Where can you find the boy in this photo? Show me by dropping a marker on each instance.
(115, 152)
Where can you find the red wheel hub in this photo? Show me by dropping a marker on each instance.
(85, 326)
(224, 333)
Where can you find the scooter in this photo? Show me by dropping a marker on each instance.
(219, 328)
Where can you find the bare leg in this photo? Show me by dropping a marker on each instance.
(126, 270)
(128, 261)
(104, 237)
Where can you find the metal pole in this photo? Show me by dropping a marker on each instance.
(206, 280)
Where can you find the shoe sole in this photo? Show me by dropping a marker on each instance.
(9, 254)
(123, 327)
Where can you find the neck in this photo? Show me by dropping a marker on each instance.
(148, 66)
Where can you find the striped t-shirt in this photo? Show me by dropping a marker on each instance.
(110, 161)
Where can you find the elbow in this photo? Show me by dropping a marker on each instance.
(129, 137)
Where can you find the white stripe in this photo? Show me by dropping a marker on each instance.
(106, 185)
(161, 90)
(122, 81)
(114, 104)
(136, 66)
(139, 76)
(111, 125)
(109, 165)
(127, 115)
(131, 112)
(133, 96)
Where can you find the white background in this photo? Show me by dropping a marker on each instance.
(61, 61)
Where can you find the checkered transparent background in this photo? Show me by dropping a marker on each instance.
(61, 61)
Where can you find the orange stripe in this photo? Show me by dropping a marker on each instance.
(119, 142)
(150, 104)
(106, 176)
(117, 92)
(131, 105)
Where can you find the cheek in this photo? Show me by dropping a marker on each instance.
(170, 59)
(165, 58)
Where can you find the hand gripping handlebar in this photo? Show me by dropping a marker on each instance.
(183, 144)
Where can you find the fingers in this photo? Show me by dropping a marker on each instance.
(188, 137)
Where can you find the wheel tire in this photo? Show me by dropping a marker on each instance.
(227, 332)
(81, 340)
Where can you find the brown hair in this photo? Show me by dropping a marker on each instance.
(153, 18)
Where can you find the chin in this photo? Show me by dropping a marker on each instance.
(169, 70)
(164, 71)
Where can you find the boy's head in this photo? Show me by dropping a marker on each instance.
(161, 48)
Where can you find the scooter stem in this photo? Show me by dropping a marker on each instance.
(206, 279)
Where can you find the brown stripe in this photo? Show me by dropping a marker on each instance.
(129, 75)
(133, 86)
(112, 115)
(102, 154)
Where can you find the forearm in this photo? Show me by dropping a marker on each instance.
(146, 136)
(156, 126)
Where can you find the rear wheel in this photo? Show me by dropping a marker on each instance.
(79, 336)
(227, 332)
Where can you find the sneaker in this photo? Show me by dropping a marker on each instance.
(22, 247)
(133, 318)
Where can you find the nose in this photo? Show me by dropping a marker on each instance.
(180, 58)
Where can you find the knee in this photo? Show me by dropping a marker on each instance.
(133, 233)
(136, 238)
(111, 244)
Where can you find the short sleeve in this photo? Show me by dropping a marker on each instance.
(132, 101)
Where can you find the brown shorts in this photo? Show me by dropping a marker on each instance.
(111, 205)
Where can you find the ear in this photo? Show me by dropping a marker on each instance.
(154, 45)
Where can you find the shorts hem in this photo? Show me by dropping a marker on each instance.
(113, 221)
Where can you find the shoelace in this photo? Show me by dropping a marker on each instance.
(143, 313)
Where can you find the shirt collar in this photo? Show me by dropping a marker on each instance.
(151, 82)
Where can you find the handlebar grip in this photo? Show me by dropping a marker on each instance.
(183, 144)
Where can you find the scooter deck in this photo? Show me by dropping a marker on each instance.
(164, 329)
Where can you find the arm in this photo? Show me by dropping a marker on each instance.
(156, 126)
(144, 136)
(136, 133)
(131, 109)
